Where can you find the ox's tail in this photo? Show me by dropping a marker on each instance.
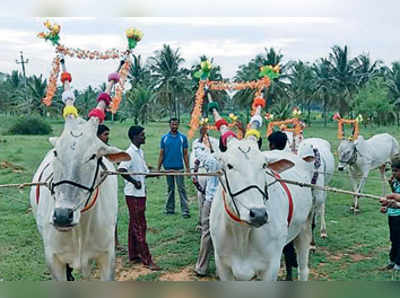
(395, 147)
(69, 270)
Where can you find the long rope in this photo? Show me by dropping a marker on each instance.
(326, 188)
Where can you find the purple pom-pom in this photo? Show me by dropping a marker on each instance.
(104, 97)
(113, 77)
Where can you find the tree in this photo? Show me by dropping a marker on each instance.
(170, 79)
(373, 104)
(344, 77)
(138, 101)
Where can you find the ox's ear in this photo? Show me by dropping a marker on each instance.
(309, 158)
(53, 141)
(113, 154)
(281, 165)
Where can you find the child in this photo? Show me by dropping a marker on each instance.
(394, 217)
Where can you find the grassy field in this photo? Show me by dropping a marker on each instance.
(357, 247)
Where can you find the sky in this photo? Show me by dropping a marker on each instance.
(231, 32)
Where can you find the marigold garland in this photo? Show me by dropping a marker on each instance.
(354, 123)
(297, 129)
(196, 113)
(119, 89)
(91, 54)
(52, 85)
(217, 85)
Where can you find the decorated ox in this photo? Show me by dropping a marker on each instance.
(252, 215)
(76, 215)
(361, 156)
(318, 152)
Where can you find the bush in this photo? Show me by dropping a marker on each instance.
(29, 125)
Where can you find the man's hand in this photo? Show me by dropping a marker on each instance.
(137, 184)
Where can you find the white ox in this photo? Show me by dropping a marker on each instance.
(321, 173)
(71, 235)
(361, 156)
(250, 245)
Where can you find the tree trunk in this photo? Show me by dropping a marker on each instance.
(325, 112)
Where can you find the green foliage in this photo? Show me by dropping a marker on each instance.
(30, 125)
(372, 102)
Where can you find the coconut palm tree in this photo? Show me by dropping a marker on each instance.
(366, 69)
(344, 75)
(170, 79)
(323, 85)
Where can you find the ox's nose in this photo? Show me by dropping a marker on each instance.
(340, 168)
(63, 217)
(258, 216)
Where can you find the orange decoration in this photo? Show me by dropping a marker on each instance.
(217, 85)
(52, 85)
(196, 113)
(354, 123)
(297, 126)
(123, 73)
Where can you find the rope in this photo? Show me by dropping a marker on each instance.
(106, 173)
(326, 188)
(172, 173)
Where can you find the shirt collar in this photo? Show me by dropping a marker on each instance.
(134, 147)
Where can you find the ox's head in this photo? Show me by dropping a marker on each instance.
(347, 153)
(77, 166)
(244, 179)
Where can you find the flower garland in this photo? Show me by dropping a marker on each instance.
(297, 129)
(196, 113)
(52, 85)
(354, 123)
(89, 54)
(123, 73)
(217, 85)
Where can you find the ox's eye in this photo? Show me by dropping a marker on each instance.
(265, 165)
(230, 167)
(55, 153)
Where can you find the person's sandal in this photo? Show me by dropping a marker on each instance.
(153, 267)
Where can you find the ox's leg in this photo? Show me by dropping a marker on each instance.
(107, 264)
(312, 244)
(359, 189)
(224, 272)
(302, 244)
(323, 233)
(383, 177)
(355, 184)
(271, 274)
(57, 269)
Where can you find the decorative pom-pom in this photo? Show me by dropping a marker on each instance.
(258, 101)
(253, 132)
(104, 97)
(114, 77)
(220, 122)
(226, 135)
(213, 105)
(97, 113)
(70, 110)
(67, 95)
(66, 76)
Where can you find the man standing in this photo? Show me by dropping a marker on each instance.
(205, 157)
(173, 152)
(103, 133)
(135, 195)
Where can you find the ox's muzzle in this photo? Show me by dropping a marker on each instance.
(258, 217)
(340, 168)
(63, 217)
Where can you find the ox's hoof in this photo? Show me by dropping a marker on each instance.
(324, 235)
(356, 211)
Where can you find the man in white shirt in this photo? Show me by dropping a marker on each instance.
(135, 195)
(207, 160)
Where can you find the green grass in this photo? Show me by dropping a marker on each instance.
(355, 250)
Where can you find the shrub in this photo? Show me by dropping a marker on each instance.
(29, 125)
